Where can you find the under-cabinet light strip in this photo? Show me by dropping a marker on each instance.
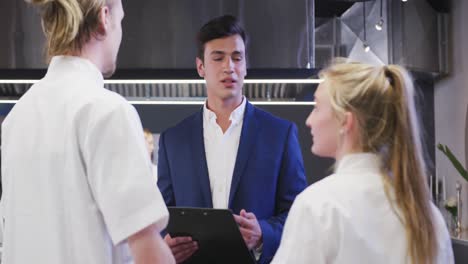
(182, 81)
(149, 102)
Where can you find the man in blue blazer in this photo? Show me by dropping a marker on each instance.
(231, 154)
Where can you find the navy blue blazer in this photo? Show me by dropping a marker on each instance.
(268, 173)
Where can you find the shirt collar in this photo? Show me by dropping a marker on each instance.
(62, 64)
(359, 162)
(236, 116)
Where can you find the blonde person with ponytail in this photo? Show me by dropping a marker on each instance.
(376, 206)
(77, 179)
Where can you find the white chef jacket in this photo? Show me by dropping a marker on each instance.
(347, 218)
(76, 173)
(221, 152)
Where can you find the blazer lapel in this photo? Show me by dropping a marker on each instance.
(200, 167)
(247, 140)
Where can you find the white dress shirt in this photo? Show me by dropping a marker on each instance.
(76, 174)
(221, 152)
(346, 218)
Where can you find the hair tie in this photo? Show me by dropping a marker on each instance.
(389, 75)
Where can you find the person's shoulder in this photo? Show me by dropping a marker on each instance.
(102, 104)
(267, 118)
(185, 126)
(318, 204)
(108, 98)
(443, 238)
(107, 101)
(439, 223)
(23, 106)
(319, 196)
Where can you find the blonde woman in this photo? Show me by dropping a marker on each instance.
(79, 186)
(375, 207)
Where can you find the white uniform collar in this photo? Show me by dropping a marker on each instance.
(360, 163)
(60, 65)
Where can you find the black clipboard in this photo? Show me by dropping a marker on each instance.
(215, 230)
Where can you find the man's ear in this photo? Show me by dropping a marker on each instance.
(104, 20)
(200, 67)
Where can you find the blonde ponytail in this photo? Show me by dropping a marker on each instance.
(409, 176)
(382, 99)
(68, 24)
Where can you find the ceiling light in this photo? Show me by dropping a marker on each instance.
(379, 25)
(366, 47)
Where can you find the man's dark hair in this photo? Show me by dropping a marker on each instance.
(220, 27)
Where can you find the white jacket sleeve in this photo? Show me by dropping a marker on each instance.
(119, 171)
(311, 233)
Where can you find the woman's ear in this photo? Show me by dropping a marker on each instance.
(351, 129)
(349, 122)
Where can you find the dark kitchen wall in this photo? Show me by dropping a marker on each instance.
(161, 34)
